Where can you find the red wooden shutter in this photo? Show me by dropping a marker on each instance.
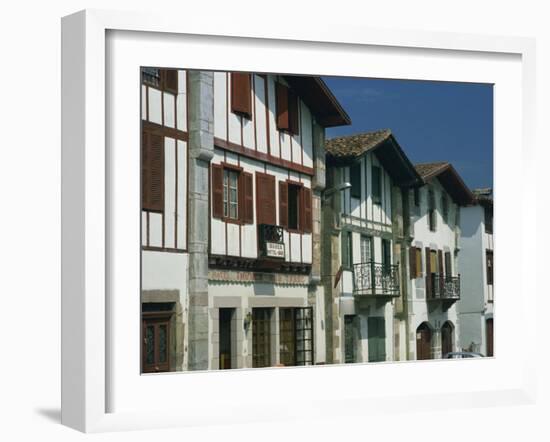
(265, 199)
(293, 113)
(170, 80)
(412, 263)
(156, 161)
(428, 273)
(282, 107)
(306, 218)
(283, 203)
(246, 192)
(217, 191)
(241, 93)
(145, 171)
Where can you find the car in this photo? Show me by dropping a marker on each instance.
(462, 355)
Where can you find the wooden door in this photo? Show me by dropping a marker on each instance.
(287, 334)
(446, 338)
(261, 337)
(489, 333)
(423, 342)
(350, 339)
(156, 343)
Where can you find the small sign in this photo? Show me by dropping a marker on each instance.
(275, 250)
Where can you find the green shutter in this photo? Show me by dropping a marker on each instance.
(376, 185)
(355, 180)
(377, 338)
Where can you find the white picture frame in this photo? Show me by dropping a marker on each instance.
(90, 176)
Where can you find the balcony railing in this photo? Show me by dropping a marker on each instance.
(270, 241)
(446, 288)
(375, 279)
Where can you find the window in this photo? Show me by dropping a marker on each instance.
(366, 248)
(241, 94)
(431, 211)
(347, 250)
(488, 215)
(489, 261)
(152, 171)
(164, 79)
(376, 185)
(230, 194)
(287, 109)
(295, 207)
(355, 179)
(232, 191)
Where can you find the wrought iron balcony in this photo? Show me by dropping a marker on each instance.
(445, 288)
(270, 241)
(375, 279)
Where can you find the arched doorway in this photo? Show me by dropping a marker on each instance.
(489, 335)
(423, 342)
(447, 338)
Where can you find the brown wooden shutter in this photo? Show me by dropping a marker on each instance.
(241, 93)
(412, 263)
(428, 273)
(283, 122)
(145, 171)
(283, 203)
(306, 218)
(170, 80)
(246, 192)
(217, 191)
(265, 199)
(293, 113)
(156, 162)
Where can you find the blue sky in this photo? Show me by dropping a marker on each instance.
(432, 121)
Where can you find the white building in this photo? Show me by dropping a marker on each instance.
(164, 219)
(476, 266)
(363, 246)
(435, 284)
(233, 167)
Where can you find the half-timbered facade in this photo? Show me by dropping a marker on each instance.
(475, 307)
(363, 243)
(265, 299)
(164, 161)
(435, 284)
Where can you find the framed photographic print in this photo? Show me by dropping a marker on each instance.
(286, 223)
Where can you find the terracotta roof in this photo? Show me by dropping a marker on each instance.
(449, 179)
(345, 150)
(428, 170)
(356, 145)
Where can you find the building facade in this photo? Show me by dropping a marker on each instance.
(265, 245)
(233, 267)
(435, 282)
(363, 246)
(476, 265)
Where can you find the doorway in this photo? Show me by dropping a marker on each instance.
(446, 338)
(261, 337)
(226, 316)
(423, 342)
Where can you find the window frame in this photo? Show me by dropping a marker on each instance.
(162, 86)
(302, 223)
(347, 250)
(489, 253)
